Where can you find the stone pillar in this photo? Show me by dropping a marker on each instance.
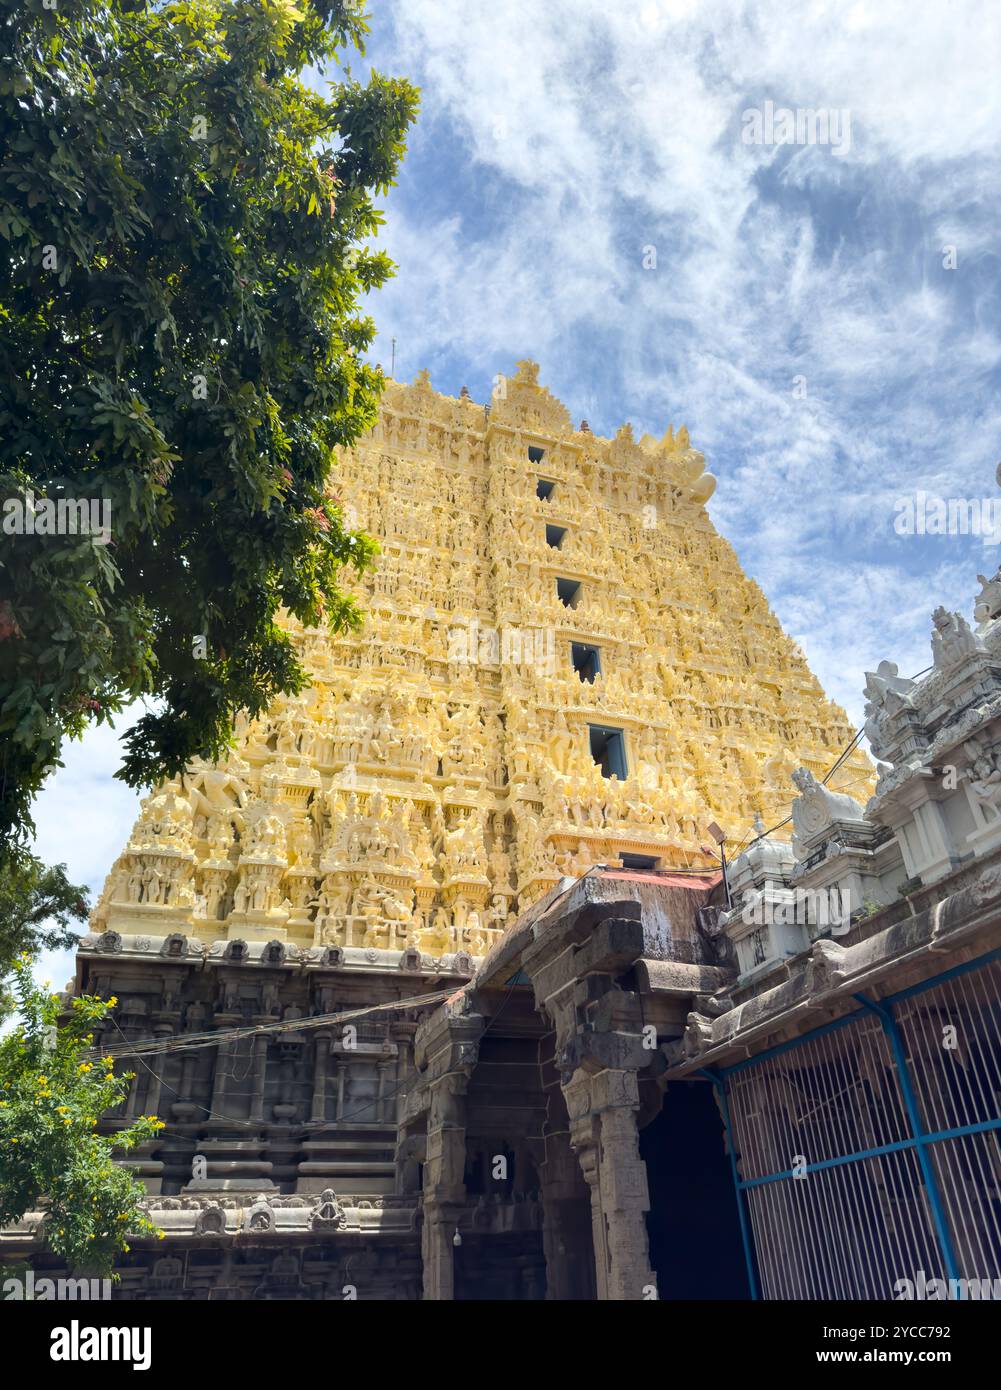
(382, 1070)
(569, 1262)
(260, 1055)
(446, 1051)
(602, 1108)
(342, 1069)
(132, 1099)
(321, 1056)
(151, 1105)
(444, 1183)
(576, 967)
(222, 1068)
(437, 1255)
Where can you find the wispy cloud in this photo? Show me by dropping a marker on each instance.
(801, 316)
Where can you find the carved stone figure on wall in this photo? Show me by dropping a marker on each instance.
(267, 836)
(817, 808)
(985, 773)
(952, 640)
(988, 602)
(213, 789)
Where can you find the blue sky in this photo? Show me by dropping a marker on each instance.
(800, 317)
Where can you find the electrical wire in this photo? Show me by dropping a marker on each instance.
(189, 1042)
(207, 1040)
(257, 1125)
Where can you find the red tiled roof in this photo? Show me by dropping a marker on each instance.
(709, 879)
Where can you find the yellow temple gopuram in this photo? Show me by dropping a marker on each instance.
(562, 664)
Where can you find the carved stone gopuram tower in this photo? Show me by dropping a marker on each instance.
(562, 665)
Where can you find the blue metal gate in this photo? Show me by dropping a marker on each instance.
(866, 1153)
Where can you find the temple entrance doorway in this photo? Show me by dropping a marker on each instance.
(695, 1245)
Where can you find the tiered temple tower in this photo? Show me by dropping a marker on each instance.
(562, 664)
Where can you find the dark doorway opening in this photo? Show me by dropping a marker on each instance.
(639, 861)
(608, 749)
(695, 1245)
(568, 592)
(586, 661)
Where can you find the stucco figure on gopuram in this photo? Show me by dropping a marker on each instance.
(561, 663)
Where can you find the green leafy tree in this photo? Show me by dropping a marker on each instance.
(38, 906)
(185, 240)
(52, 1093)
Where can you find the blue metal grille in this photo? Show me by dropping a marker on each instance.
(867, 1152)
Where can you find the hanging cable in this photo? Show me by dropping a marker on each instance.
(187, 1042)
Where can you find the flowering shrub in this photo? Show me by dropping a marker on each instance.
(53, 1091)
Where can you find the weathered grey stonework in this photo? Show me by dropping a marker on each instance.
(279, 1145)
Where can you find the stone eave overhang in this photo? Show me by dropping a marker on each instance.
(569, 912)
(144, 951)
(580, 913)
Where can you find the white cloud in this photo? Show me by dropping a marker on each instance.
(574, 133)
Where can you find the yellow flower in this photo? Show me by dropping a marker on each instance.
(85, 1066)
